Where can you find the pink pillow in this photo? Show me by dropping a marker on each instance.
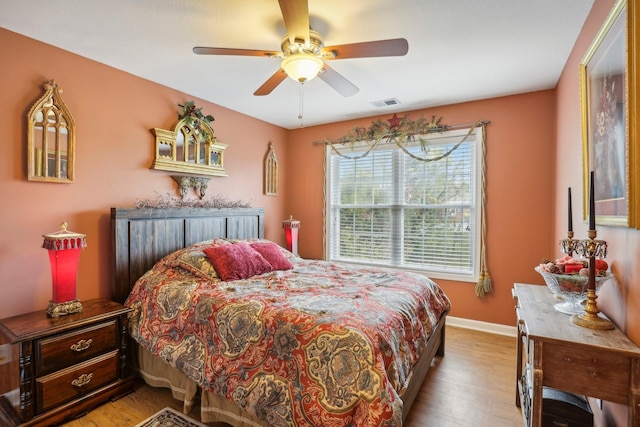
(272, 253)
(237, 261)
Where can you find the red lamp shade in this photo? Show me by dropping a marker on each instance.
(291, 227)
(64, 253)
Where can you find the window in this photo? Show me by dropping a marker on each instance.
(388, 208)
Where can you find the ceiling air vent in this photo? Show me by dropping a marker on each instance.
(386, 102)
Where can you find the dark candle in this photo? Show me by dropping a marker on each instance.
(592, 205)
(570, 220)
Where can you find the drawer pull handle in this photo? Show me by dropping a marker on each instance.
(81, 345)
(82, 380)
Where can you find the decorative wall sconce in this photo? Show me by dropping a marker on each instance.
(64, 253)
(198, 183)
(291, 227)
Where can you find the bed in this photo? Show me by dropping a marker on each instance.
(304, 342)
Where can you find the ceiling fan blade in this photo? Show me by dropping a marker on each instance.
(273, 81)
(391, 47)
(338, 82)
(228, 51)
(296, 19)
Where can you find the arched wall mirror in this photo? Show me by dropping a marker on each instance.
(271, 172)
(190, 147)
(51, 138)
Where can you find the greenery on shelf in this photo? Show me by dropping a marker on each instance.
(194, 118)
(189, 109)
(170, 201)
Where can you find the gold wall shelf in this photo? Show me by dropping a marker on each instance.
(190, 147)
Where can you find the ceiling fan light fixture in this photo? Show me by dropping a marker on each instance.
(302, 67)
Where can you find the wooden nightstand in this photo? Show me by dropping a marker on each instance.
(553, 352)
(57, 368)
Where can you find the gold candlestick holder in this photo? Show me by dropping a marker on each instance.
(568, 245)
(591, 248)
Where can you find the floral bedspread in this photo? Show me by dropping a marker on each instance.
(323, 344)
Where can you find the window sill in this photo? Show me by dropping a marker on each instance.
(430, 274)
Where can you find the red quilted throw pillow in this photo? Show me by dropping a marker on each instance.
(272, 253)
(237, 261)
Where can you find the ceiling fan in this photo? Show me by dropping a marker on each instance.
(303, 52)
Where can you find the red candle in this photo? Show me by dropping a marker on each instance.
(592, 205)
(291, 233)
(64, 267)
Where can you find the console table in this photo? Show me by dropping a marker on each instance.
(554, 352)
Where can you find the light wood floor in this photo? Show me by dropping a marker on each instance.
(472, 385)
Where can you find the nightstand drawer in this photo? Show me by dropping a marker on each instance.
(595, 373)
(55, 353)
(76, 381)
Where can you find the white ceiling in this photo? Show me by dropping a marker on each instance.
(459, 50)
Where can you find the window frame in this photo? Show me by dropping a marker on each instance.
(476, 207)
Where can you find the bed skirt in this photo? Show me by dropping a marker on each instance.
(213, 408)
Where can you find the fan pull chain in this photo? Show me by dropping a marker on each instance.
(300, 114)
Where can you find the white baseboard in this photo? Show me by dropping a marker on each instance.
(492, 328)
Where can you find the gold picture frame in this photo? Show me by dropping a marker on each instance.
(604, 73)
(633, 84)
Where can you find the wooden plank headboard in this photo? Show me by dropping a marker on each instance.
(141, 237)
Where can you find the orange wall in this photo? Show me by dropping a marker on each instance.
(621, 303)
(114, 112)
(520, 187)
(623, 243)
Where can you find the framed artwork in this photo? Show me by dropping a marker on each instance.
(605, 121)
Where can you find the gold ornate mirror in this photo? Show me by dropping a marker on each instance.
(51, 138)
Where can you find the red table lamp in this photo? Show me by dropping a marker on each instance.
(291, 232)
(64, 253)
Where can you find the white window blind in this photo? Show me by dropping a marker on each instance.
(390, 209)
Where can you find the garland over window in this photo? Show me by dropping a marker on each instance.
(404, 132)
